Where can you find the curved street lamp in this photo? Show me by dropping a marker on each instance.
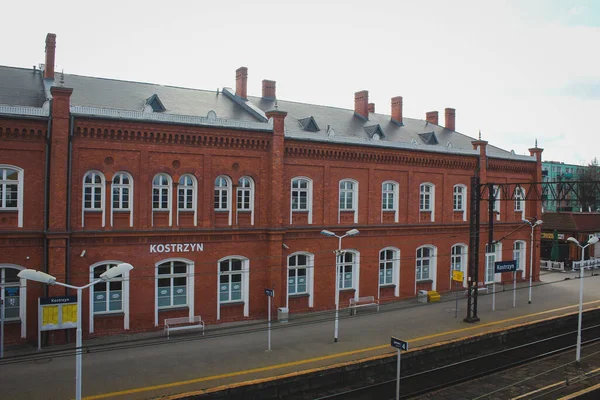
(592, 240)
(38, 276)
(338, 256)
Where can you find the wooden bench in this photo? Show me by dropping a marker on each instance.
(182, 323)
(362, 302)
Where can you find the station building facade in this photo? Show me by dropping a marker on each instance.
(214, 196)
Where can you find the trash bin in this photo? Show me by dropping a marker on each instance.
(422, 296)
(282, 314)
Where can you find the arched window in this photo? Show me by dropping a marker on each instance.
(497, 201)
(458, 260)
(233, 284)
(245, 197)
(11, 190)
(389, 198)
(187, 193)
(427, 199)
(519, 199)
(121, 191)
(93, 194)
(519, 255)
(348, 270)
(301, 198)
(122, 195)
(174, 286)
(110, 297)
(389, 268)
(300, 276)
(222, 193)
(425, 263)
(460, 200)
(13, 292)
(161, 193)
(348, 197)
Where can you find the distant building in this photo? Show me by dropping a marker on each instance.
(561, 181)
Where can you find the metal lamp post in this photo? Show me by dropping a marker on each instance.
(533, 224)
(338, 254)
(38, 276)
(592, 240)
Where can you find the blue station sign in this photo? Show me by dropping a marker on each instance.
(270, 292)
(399, 344)
(58, 300)
(505, 266)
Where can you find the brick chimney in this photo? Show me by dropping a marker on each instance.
(450, 119)
(371, 107)
(241, 82)
(361, 104)
(397, 109)
(431, 117)
(50, 53)
(268, 89)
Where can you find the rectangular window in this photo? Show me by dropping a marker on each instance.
(459, 198)
(347, 196)
(186, 198)
(243, 199)
(346, 271)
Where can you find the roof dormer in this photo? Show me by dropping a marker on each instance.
(429, 137)
(373, 130)
(154, 103)
(309, 124)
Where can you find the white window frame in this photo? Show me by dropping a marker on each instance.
(395, 198)
(354, 196)
(22, 284)
(422, 197)
(241, 189)
(161, 187)
(245, 284)
(520, 200)
(520, 256)
(497, 204)
(494, 256)
(462, 199)
(193, 188)
(102, 187)
(120, 187)
(310, 269)
(462, 259)
(190, 287)
(124, 295)
(432, 265)
(20, 190)
(395, 261)
(355, 271)
(227, 189)
(298, 190)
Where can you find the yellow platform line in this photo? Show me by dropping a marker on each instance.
(321, 358)
(563, 383)
(583, 391)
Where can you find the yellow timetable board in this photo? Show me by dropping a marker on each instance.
(457, 276)
(57, 313)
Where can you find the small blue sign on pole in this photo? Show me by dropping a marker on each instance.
(505, 266)
(399, 344)
(270, 292)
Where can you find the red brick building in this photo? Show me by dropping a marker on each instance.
(213, 196)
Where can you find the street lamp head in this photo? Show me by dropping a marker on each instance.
(593, 240)
(526, 221)
(572, 239)
(116, 271)
(539, 222)
(37, 276)
(327, 233)
(352, 232)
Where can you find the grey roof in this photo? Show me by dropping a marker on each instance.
(125, 95)
(21, 87)
(357, 130)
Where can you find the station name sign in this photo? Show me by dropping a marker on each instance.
(176, 247)
(58, 300)
(505, 266)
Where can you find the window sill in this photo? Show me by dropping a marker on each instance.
(109, 314)
(162, 210)
(173, 308)
(298, 295)
(12, 321)
(93, 211)
(352, 290)
(425, 281)
(119, 211)
(9, 210)
(232, 303)
(244, 211)
(387, 285)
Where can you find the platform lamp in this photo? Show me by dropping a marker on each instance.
(38, 276)
(533, 223)
(593, 240)
(338, 256)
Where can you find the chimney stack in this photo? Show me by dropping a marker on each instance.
(50, 53)
(431, 117)
(361, 104)
(371, 107)
(241, 82)
(397, 110)
(268, 89)
(450, 119)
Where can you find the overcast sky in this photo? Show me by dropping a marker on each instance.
(518, 70)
